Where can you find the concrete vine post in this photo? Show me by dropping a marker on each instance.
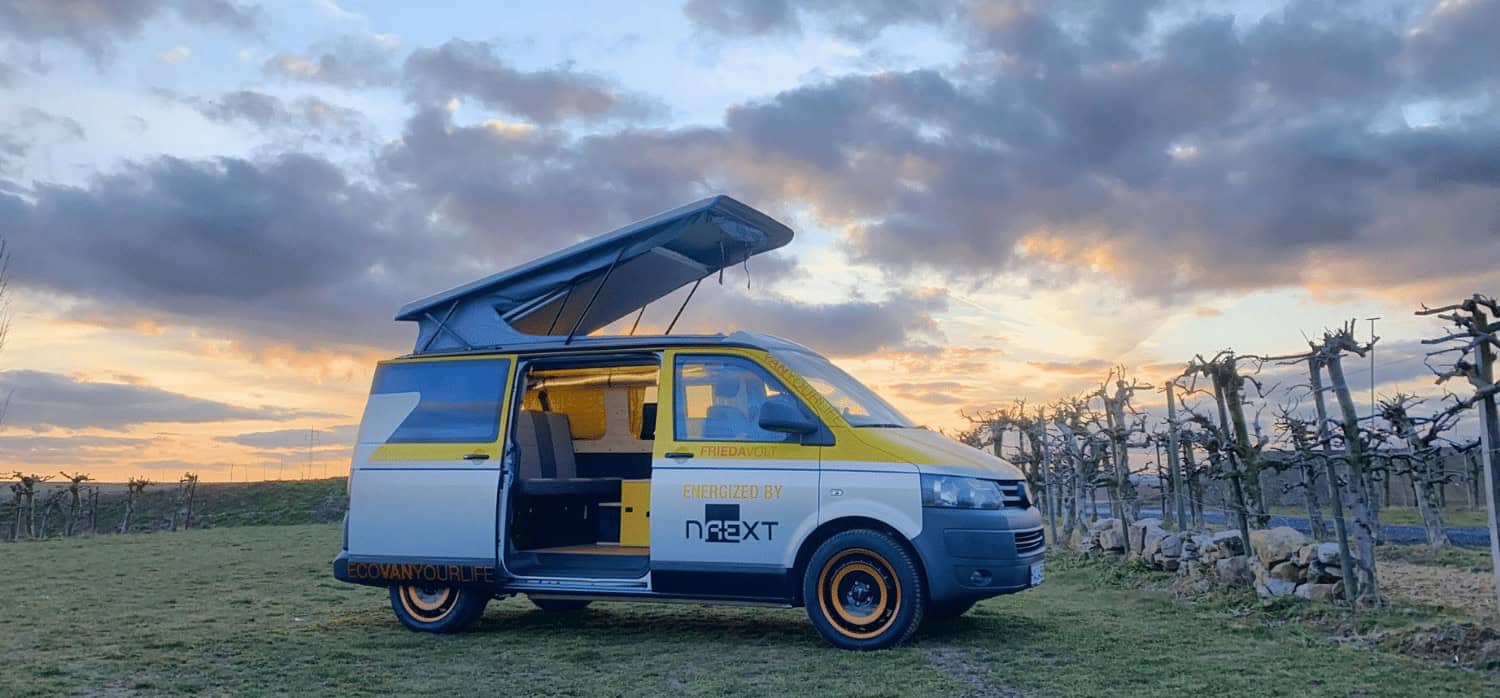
(75, 505)
(94, 510)
(1173, 445)
(25, 490)
(187, 487)
(1116, 402)
(1223, 438)
(1236, 474)
(1366, 523)
(51, 503)
(133, 489)
(1315, 375)
(17, 496)
(1194, 479)
(1474, 342)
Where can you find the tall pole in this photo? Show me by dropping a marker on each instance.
(1372, 362)
(1385, 478)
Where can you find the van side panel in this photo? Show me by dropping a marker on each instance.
(887, 492)
(412, 499)
(423, 509)
(722, 505)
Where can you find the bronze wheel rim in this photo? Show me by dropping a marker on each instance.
(428, 603)
(859, 594)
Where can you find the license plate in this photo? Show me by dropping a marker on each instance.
(1036, 573)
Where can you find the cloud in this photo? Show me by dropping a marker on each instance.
(12, 149)
(1086, 367)
(97, 27)
(475, 69)
(350, 61)
(294, 439)
(65, 127)
(69, 450)
(32, 127)
(1159, 152)
(288, 250)
(1451, 47)
(41, 400)
(850, 328)
(176, 54)
(851, 19)
(1169, 152)
(305, 116)
(938, 392)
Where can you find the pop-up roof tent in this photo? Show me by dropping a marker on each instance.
(589, 285)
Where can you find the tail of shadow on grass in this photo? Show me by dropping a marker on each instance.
(665, 621)
(689, 622)
(993, 628)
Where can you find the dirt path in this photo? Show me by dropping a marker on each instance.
(1438, 586)
(957, 664)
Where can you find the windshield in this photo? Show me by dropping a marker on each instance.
(859, 405)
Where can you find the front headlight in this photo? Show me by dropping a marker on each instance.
(960, 492)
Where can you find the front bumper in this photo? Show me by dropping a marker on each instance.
(971, 554)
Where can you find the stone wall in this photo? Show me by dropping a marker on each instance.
(1285, 562)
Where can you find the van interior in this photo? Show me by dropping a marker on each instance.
(580, 503)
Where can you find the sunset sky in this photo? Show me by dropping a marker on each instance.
(216, 207)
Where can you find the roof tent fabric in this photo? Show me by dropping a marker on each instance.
(600, 280)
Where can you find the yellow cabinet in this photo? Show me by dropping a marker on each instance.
(635, 512)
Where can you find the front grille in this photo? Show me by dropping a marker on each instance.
(1013, 494)
(1029, 541)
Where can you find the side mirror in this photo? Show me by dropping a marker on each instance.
(782, 413)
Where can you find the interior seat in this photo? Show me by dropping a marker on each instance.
(726, 421)
(547, 464)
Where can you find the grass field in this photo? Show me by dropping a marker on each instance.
(254, 610)
(1403, 516)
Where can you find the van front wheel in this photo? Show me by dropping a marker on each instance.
(863, 592)
(437, 609)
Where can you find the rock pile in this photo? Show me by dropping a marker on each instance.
(1285, 561)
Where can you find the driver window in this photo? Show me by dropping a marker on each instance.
(719, 397)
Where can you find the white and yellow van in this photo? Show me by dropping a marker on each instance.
(513, 453)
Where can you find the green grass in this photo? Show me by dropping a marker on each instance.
(1470, 559)
(1403, 516)
(254, 610)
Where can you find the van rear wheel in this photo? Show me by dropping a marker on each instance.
(437, 609)
(559, 605)
(863, 591)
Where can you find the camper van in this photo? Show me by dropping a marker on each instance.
(518, 451)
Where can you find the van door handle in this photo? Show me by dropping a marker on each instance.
(476, 456)
(679, 455)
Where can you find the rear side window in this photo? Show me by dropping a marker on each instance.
(460, 400)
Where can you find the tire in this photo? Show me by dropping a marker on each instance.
(940, 611)
(437, 609)
(559, 605)
(863, 591)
